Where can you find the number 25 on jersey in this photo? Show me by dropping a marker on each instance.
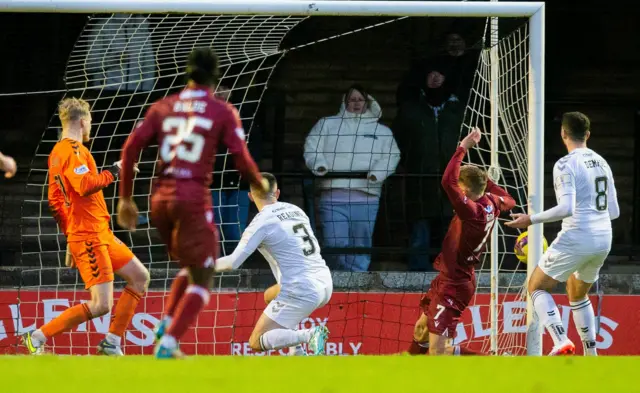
(183, 144)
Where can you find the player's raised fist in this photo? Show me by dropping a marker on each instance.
(472, 139)
(127, 214)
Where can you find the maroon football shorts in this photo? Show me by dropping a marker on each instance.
(188, 230)
(444, 303)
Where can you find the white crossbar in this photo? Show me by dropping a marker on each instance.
(282, 7)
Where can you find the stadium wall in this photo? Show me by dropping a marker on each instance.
(360, 322)
(370, 313)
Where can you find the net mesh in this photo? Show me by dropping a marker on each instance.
(511, 56)
(123, 63)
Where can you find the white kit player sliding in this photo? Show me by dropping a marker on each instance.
(587, 203)
(282, 233)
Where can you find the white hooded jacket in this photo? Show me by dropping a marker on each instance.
(350, 142)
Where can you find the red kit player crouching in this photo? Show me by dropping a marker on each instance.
(477, 202)
(188, 128)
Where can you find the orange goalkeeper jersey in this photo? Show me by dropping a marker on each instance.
(75, 190)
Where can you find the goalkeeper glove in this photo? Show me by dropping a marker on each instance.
(117, 167)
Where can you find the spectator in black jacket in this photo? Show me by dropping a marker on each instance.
(427, 130)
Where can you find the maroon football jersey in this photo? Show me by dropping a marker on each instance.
(188, 128)
(472, 224)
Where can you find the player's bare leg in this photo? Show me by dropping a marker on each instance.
(178, 287)
(583, 315)
(195, 298)
(271, 294)
(539, 287)
(137, 278)
(270, 335)
(437, 344)
(99, 305)
(420, 343)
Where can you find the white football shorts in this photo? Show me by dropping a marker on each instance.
(561, 265)
(296, 302)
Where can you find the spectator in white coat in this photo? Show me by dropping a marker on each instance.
(351, 141)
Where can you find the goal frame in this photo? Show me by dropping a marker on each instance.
(535, 11)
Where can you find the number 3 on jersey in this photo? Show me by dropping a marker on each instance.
(310, 247)
(184, 144)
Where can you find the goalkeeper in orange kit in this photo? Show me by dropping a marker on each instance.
(78, 205)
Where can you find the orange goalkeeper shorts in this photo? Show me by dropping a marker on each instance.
(98, 256)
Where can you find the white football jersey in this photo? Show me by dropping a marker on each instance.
(584, 174)
(288, 243)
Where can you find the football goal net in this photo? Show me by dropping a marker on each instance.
(133, 53)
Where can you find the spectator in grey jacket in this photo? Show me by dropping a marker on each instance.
(351, 141)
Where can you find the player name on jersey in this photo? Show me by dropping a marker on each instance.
(593, 163)
(190, 106)
(290, 215)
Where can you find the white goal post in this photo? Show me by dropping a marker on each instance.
(535, 11)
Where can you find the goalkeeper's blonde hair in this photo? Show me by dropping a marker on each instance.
(73, 109)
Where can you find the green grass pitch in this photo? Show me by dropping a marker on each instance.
(389, 374)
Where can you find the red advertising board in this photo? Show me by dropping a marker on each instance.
(360, 323)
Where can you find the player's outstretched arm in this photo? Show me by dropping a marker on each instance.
(506, 201)
(249, 243)
(563, 182)
(234, 138)
(463, 206)
(81, 179)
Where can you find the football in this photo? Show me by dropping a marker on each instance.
(521, 248)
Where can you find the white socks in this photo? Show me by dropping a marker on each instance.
(549, 315)
(113, 339)
(283, 338)
(585, 321)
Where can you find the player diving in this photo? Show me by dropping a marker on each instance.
(281, 232)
